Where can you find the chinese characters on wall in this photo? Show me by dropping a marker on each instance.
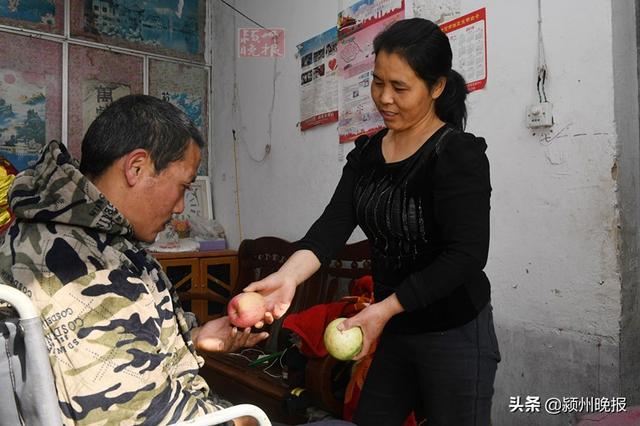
(261, 42)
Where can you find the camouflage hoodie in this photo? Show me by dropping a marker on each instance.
(118, 342)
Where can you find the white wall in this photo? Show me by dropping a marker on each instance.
(282, 195)
(554, 202)
(555, 221)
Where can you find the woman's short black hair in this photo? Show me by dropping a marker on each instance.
(137, 121)
(425, 47)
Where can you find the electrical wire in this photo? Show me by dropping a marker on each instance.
(239, 355)
(241, 13)
(247, 17)
(275, 376)
(237, 110)
(542, 63)
(279, 359)
(237, 117)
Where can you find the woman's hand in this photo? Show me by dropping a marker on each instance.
(279, 288)
(219, 335)
(372, 320)
(278, 291)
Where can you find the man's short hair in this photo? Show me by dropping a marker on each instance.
(137, 121)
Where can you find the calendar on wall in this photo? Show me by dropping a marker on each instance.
(468, 37)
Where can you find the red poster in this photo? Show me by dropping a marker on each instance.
(468, 38)
(357, 28)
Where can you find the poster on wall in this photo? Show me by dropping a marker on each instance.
(437, 11)
(468, 37)
(364, 13)
(22, 118)
(90, 69)
(161, 26)
(357, 27)
(43, 15)
(186, 87)
(97, 95)
(319, 79)
(192, 105)
(29, 67)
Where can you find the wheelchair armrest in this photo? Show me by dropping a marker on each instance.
(227, 414)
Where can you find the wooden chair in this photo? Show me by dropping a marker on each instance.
(231, 375)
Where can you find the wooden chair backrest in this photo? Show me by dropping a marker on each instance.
(259, 258)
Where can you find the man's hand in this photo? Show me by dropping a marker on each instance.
(245, 421)
(220, 336)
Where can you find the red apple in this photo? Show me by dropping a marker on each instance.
(246, 309)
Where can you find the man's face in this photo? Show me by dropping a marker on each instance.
(161, 195)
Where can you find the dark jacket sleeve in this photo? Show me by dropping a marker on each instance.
(332, 229)
(461, 192)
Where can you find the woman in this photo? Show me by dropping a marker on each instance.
(420, 191)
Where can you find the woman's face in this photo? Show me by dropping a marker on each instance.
(402, 97)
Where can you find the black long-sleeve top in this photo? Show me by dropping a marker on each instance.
(427, 220)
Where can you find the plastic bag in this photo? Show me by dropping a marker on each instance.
(205, 229)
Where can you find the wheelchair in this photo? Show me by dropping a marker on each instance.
(27, 389)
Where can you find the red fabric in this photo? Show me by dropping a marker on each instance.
(363, 286)
(310, 324)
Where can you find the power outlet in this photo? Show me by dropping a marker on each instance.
(540, 115)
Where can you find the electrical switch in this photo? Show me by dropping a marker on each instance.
(540, 115)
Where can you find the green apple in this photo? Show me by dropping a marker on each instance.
(342, 345)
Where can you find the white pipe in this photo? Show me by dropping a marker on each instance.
(65, 95)
(67, 18)
(145, 75)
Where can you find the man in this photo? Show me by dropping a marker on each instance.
(119, 345)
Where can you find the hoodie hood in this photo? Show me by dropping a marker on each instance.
(55, 191)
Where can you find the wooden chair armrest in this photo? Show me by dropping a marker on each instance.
(319, 376)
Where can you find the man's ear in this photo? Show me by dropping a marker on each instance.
(438, 87)
(137, 164)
